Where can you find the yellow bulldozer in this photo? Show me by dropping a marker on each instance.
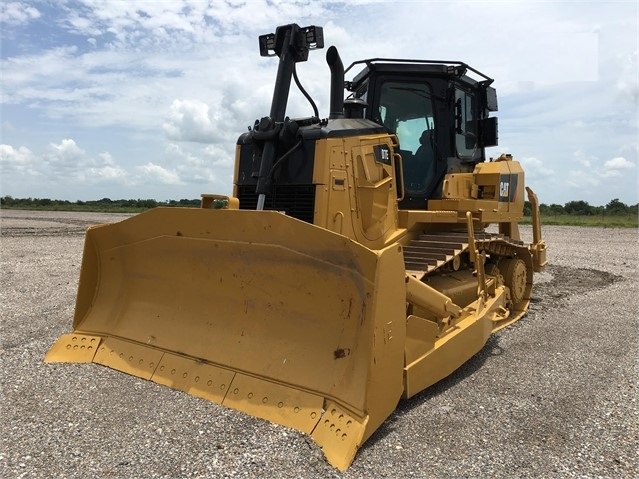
(353, 266)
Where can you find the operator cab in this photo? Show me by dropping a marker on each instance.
(438, 112)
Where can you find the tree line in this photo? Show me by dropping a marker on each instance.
(103, 204)
(574, 208)
(582, 208)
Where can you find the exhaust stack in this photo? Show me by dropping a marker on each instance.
(337, 83)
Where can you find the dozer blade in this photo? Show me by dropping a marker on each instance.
(254, 310)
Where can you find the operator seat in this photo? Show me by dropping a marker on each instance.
(423, 164)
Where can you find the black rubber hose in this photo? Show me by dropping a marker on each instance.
(305, 93)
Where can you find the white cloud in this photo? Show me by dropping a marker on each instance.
(67, 160)
(609, 176)
(20, 160)
(17, 13)
(209, 167)
(536, 171)
(107, 173)
(159, 173)
(26, 173)
(147, 25)
(106, 169)
(585, 160)
(614, 168)
(193, 120)
(67, 153)
(618, 163)
(579, 179)
(219, 156)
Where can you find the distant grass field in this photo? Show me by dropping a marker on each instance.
(593, 221)
(599, 221)
(80, 208)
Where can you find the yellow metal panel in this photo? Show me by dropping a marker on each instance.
(131, 358)
(455, 347)
(409, 218)
(246, 308)
(388, 307)
(458, 185)
(252, 291)
(339, 433)
(194, 377)
(420, 337)
(374, 193)
(275, 402)
(289, 314)
(73, 348)
(356, 194)
(340, 206)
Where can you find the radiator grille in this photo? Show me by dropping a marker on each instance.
(297, 201)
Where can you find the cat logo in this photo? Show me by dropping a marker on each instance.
(508, 187)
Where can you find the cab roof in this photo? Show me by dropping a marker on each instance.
(435, 68)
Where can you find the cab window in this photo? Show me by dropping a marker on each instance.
(406, 109)
(465, 124)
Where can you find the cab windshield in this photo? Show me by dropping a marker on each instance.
(406, 109)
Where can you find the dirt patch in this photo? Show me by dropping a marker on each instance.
(560, 282)
(26, 223)
(43, 226)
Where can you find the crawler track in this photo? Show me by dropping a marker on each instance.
(436, 253)
(433, 251)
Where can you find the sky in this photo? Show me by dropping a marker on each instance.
(146, 99)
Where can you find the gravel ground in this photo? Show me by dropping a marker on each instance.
(554, 395)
